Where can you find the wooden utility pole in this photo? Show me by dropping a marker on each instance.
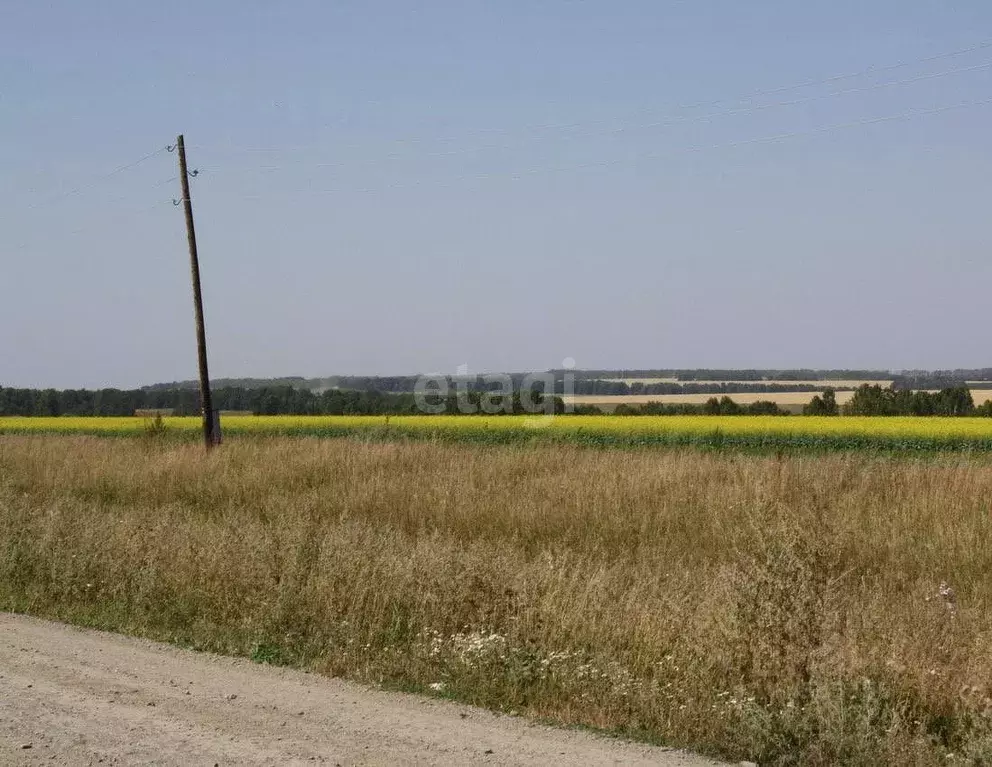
(209, 438)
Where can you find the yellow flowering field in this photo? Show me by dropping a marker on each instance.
(753, 431)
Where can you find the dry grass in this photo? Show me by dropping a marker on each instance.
(782, 610)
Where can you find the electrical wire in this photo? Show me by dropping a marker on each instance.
(121, 198)
(869, 71)
(768, 139)
(671, 121)
(97, 180)
(101, 225)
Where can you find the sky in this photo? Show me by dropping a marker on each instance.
(396, 187)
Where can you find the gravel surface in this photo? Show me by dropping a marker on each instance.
(75, 696)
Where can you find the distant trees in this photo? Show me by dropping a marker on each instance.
(710, 387)
(701, 374)
(713, 406)
(825, 404)
(876, 400)
(869, 400)
(268, 400)
(925, 380)
(726, 406)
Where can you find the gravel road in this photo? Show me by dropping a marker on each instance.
(74, 696)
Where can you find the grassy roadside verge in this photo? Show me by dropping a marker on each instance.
(781, 610)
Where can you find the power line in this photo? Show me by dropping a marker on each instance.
(102, 224)
(869, 71)
(119, 199)
(768, 139)
(97, 180)
(668, 122)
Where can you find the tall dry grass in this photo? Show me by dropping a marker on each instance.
(782, 610)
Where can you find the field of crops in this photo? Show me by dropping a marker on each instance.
(915, 434)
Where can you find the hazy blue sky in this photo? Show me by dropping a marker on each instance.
(393, 187)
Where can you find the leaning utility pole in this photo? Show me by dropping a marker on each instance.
(209, 438)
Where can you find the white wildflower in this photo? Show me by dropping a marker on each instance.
(946, 593)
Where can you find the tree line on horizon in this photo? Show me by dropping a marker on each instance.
(867, 400)
(618, 382)
(272, 400)
(704, 376)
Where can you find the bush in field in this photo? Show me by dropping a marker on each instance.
(822, 405)
(764, 407)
